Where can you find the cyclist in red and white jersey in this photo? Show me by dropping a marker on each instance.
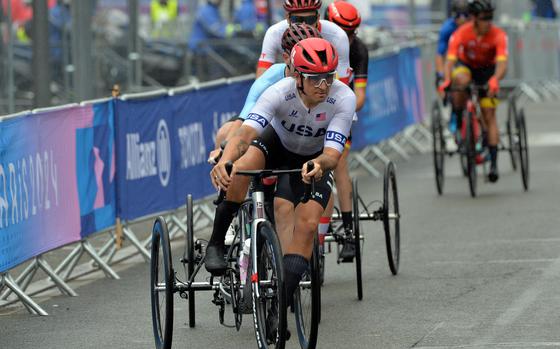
(305, 11)
(299, 119)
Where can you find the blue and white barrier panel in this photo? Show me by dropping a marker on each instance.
(163, 144)
(394, 98)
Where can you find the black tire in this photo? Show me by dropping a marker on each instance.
(161, 285)
(470, 149)
(190, 257)
(523, 149)
(270, 266)
(357, 237)
(438, 147)
(391, 218)
(307, 301)
(510, 127)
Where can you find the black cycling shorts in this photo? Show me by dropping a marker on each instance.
(291, 187)
(480, 76)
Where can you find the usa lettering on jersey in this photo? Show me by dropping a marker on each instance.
(258, 118)
(336, 137)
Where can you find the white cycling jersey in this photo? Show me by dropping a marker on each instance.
(301, 130)
(272, 45)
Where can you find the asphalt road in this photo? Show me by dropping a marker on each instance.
(475, 273)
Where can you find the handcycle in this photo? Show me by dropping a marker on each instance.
(388, 213)
(471, 142)
(266, 275)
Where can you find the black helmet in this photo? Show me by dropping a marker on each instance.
(478, 6)
(459, 6)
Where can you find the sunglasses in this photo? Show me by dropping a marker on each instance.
(317, 79)
(309, 20)
(485, 18)
(462, 15)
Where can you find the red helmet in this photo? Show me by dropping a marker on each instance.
(302, 5)
(345, 15)
(314, 56)
(297, 32)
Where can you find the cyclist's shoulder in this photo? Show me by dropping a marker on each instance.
(329, 31)
(277, 28)
(497, 32)
(449, 26)
(341, 91)
(359, 47)
(281, 88)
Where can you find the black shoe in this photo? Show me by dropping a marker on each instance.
(493, 175)
(215, 262)
(348, 251)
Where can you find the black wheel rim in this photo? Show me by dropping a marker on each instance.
(523, 150)
(509, 128)
(470, 145)
(190, 257)
(438, 147)
(272, 297)
(357, 237)
(161, 286)
(307, 305)
(391, 218)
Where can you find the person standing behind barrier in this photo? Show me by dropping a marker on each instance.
(544, 9)
(163, 14)
(459, 15)
(246, 18)
(347, 17)
(479, 52)
(208, 25)
(305, 11)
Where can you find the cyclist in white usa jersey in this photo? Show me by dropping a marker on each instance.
(305, 11)
(300, 119)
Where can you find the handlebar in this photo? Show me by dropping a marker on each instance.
(309, 188)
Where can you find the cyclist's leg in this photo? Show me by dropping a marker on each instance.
(461, 78)
(284, 217)
(344, 189)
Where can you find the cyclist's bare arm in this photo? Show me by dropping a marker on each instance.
(501, 69)
(239, 143)
(440, 63)
(360, 97)
(235, 125)
(324, 162)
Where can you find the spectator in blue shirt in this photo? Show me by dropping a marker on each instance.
(544, 9)
(209, 24)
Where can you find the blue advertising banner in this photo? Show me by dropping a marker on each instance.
(393, 98)
(163, 146)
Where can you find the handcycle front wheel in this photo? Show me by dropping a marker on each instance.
(161, 285)
(357, 237)
(307, 302)
(470, 151)
(510, 128)
(269, 294)
(438, 146)
(391, 218)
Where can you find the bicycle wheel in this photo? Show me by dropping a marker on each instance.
(510, 126)
(269, 295)
(357, 236)
(523, 149)
(307, 303)
(161, 285)
(470, 149)
(438, 147)
(391, 218)
(190, 258)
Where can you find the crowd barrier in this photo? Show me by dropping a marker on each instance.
(70, 172)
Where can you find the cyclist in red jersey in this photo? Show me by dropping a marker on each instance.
(478, 51)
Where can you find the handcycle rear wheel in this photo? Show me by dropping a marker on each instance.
(268, 284)
(438, 147)
(357, 237)
(523, 148)
(307, 302)
(189, 257)
(391, 218)
(470, 149)
(510, 127)
(161, 285)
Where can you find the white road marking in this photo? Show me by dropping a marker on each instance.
(496, 345)
(498, 261)
(548, 139)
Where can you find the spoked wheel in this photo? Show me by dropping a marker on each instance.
(269, 295)
(189, 257)
(523, 148)
(307, 303)
(161, 285)
(510, 128)
(391, 218)
(470, 151)
(439, 146)
(357, 236)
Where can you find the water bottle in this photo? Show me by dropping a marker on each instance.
(244, 260)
